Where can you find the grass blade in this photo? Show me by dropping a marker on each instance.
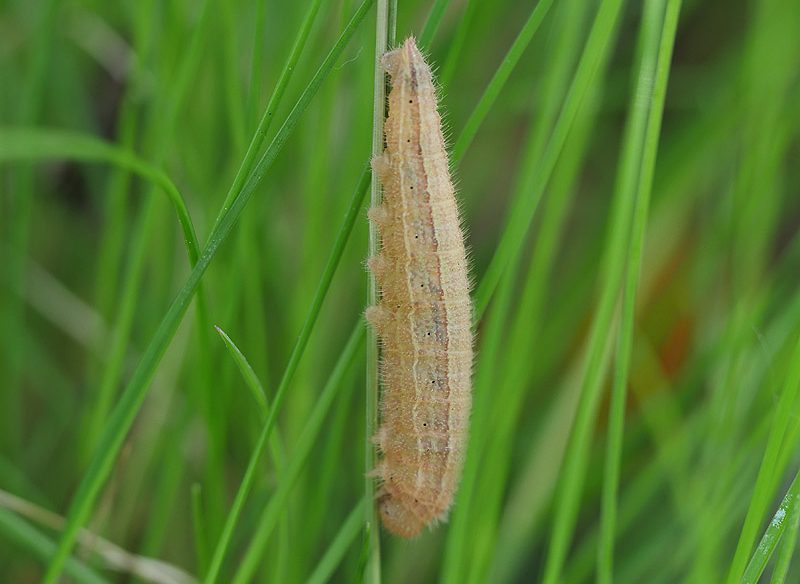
(343, 540)
(385, 32)
(124, 413)
(656, 59)
(43, 144)
(773, 533)
(291, 368)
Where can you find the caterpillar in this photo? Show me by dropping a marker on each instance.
(424, 315)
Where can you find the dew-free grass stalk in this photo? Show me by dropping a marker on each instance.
(300, 456)
(125, 412)
(658, 36)
(385, 32)
(615, 256)
(12, 312)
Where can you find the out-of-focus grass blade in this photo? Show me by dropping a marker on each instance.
(617, 253)
(125, 412)
(16, 529)
(500, 77)
(656, 54)
(343, 540)
(291, 368)
(300, 455)
(18, 144)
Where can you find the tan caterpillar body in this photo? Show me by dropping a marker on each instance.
(424, 315)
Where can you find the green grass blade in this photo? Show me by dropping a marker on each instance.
(291, 368)
(773, 533)
(250, 377)
(300, 456)
(18, 144)
(500, 77)
(616, 255)
(28, 537)
(766, 480)
(123, 415)
(657, 67)
(340, 544)
(21, 196)
(789, 542)
(521, 214)
(385, 31)
(275, 99)
(432, 23)
(199, 530)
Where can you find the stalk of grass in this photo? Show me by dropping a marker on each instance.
(656, 51)
(300, 457)
(788, 541)
(294, 361)
(500, 77)
(123, 415)
(343, 540)
(385, 33)
(773, 533)
(22, 197)
(767, 476)
(38, 144)
(617, 253)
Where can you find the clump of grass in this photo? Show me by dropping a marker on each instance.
(626, 176)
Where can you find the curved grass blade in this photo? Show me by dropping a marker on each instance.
(250, 377)
(257, 391)
(291, 368)
(125, 412)
(42, 144)
(300, 456)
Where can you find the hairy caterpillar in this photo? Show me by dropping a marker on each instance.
(424, 315)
